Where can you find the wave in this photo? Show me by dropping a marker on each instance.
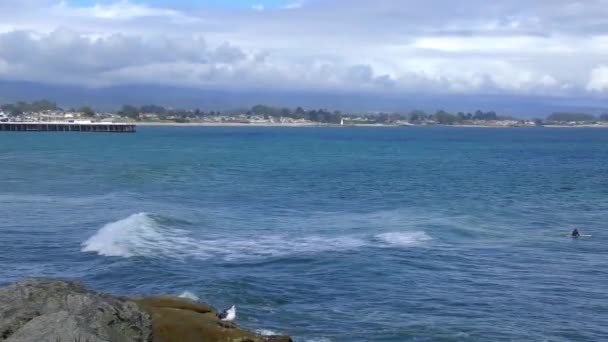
(147, 235)
(137, 235)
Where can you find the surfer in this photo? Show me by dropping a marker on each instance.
(575, 233)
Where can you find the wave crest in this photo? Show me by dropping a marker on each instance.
(137, 235)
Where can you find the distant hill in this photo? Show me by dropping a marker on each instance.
(571, 117)
(114, 97)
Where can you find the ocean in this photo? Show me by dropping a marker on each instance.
(325, 234)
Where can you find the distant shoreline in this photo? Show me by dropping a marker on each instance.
(294, 125)
(242, 124)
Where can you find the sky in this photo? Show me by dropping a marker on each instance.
(556, 48)
(193, 3)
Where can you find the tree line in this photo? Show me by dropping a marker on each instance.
(315, 115)
(576, 117)
(134, 112)
(22, 107)
(326, 116)
(441, 116)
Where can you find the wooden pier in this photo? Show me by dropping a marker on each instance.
(100, 127)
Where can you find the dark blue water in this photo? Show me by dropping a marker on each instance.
(326, 234)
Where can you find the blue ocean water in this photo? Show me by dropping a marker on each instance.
(325, 234)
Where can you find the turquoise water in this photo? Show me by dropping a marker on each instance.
(326, 234)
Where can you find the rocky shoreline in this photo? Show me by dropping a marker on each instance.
(62, 311)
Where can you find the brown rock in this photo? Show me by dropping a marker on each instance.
(180, 320)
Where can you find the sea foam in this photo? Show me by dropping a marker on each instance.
(145, 235)
(267, 332)
(403, 239)
(189, 295)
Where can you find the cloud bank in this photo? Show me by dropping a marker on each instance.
(545, 47)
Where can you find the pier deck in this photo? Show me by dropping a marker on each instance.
(102, 127)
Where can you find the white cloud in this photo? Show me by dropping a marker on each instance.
(122, 10)
(512, 46)
(598, 81)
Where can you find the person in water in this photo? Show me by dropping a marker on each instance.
(575, 233)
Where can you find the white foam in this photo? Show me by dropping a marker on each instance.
(267, 332)
(189, 295)
(137, 235)
(281, 246)
(403, 239)
(143, 235)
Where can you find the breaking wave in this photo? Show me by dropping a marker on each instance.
(152, 236)
(137, 235)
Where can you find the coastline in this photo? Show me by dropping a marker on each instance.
(227, 124)
(265, 124)
(296, 125)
